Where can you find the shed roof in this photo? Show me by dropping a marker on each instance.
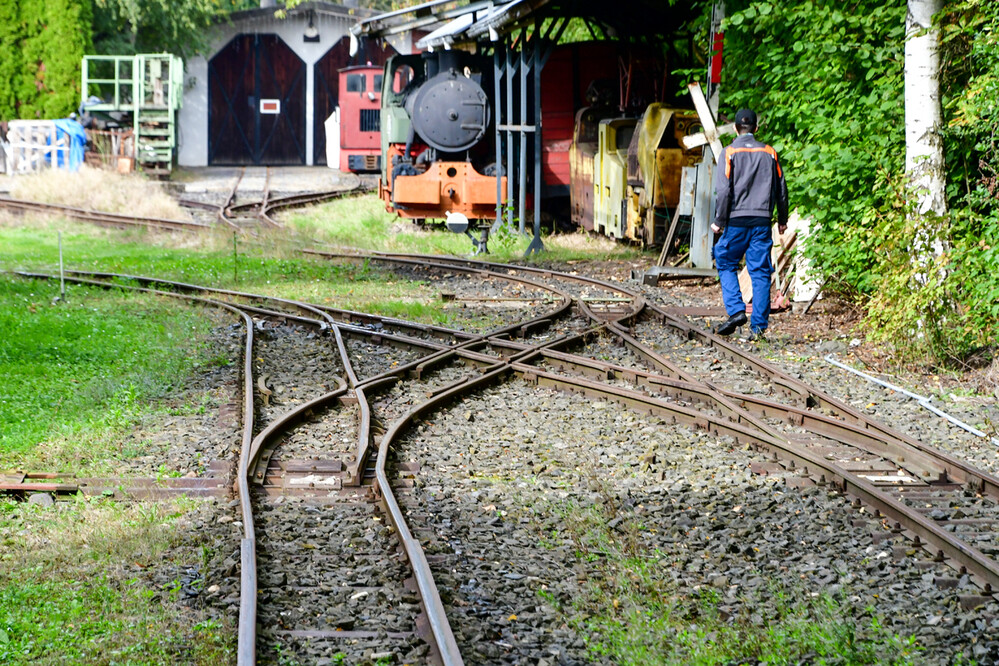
(318, 8)
(472, 20)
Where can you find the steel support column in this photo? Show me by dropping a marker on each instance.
(520, 71)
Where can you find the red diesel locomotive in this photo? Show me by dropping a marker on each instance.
(360, 97)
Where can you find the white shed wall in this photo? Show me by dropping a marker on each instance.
(192, 134)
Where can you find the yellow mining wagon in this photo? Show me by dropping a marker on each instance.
(626, 172)
(656, 160)
(611, 176)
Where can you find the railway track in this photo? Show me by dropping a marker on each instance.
(583, 337)
(246, 216)
(102, 219)
(243, 217)
(907, 484)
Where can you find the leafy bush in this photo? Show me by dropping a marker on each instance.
(954, 314)
(41, 49)
(827, 81)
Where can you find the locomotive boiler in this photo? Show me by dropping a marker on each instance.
(435, 122)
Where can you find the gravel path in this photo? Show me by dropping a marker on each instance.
(503, 473)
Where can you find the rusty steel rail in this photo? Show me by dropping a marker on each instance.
(104, 219)
(246, 647)
(325, 320)
(874, 436)
(443, 641)
(968, 559)
(222, 212)
(740, 416)
(262, 209)
(867, 433)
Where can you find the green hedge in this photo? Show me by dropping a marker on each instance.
(42, 44)
(10, 35)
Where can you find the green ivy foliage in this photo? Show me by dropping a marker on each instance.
(826, 80)
(952, 310)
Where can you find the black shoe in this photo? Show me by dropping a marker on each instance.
(733, 322)
(756, 335)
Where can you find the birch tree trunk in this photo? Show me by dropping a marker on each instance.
(924, 158)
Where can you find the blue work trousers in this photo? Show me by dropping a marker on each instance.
(755, 243)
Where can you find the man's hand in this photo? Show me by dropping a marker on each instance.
(781, 228)
(715, 228)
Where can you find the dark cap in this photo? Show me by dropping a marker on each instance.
(745, 117)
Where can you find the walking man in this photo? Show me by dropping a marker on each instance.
(748, 186)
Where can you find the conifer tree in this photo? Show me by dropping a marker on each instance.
(55, 37)
(10, 60)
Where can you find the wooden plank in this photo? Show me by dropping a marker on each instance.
(669, 238)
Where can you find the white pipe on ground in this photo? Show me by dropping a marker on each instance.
(921, 400)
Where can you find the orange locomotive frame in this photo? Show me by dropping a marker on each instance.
(445, 187)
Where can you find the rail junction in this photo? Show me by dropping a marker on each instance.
(336, 450)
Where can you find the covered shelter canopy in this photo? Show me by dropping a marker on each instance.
(451, 22)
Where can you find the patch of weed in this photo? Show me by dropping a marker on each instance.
(69, 591)
(631, 612)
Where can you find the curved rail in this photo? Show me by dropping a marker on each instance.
(741, 416)
(881, 439)
(104, 219)
(443, 639)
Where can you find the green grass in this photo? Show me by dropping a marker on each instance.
(363, 222)
(72, 589)
(77, 374)
(632, 613)
(268, 266)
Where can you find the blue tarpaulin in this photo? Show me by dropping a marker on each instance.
(71, 134)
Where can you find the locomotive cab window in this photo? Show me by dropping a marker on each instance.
(355, 82)
(401, 78)
(622, 137)
(377, 85)
(587, 128)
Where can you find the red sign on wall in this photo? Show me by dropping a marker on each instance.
(270, 106)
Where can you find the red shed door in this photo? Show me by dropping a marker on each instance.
(256, 103)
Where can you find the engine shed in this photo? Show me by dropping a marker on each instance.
(537, 73)
(263, 90)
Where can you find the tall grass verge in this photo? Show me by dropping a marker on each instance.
(267, 265)
(363, 223)
(98, 190)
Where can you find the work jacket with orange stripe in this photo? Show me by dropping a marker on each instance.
(749, 182)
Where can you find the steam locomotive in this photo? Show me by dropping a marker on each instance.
(611, 155)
